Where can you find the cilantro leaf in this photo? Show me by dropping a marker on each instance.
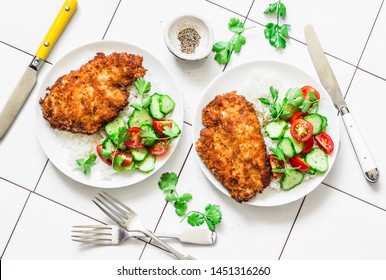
(196, 219)
(148, 135)
(279, 153)
(294, 96)
(236, 26)
(180, 207)
(168, 182)
(213, 213)
(86, 164)
(142, 86)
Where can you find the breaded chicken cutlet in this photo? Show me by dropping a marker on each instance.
(86, 99)
(232, 146)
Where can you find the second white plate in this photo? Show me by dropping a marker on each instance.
(286, 76)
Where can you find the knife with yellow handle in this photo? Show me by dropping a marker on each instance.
(28, 80)
(329, 82)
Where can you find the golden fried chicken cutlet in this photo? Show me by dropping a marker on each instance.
(232, 146)
(85, 99)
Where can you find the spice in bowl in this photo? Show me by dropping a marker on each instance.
(189, 39)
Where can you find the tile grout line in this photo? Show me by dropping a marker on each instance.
(353, 196)
(225, 8)
(293, 224)
(166, 203)
(363, 51)
(108, 26)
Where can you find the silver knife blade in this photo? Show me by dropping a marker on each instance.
(17, 99)
(323, 68)
(329, 82)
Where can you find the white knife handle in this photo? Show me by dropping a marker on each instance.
(364, 156)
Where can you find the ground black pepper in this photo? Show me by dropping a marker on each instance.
(190, 39)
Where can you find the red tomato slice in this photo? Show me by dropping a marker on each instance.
(301, 130)
(325, 142)
(159, 125)
(158, 148)
(105, 160)
(127, 157)
(276, 163)
(308, 145)
(135, 141)
(297, 115)
(298, 162)
(306, 90)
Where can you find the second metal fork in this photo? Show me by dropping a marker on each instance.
(127, 218)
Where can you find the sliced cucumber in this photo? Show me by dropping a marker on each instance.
(109, 145)
(115, 140)
(299, 146)
(325, 123)
(317, 159)
(275, 129)
(311, 171)
(291, 179)
(175, 128)
(166, 104)
(140, 117)
(139, 154)
(286, 145)
(317, 122)
(114, 125)
(155, 108)
(147, 164)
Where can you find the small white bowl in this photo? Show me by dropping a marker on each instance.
(199, 24)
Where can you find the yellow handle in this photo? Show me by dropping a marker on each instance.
(56, 28)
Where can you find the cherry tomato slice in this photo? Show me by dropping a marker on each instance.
(158, 148)
(276, 163)
(127, 158)
(135, 140)
(99, 149)
(325, 142)
(307, 89)
(298, 162)
(308, 145)
(159, 125)
(297, 115)
(301, 130)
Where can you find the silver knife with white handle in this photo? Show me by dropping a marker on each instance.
(329, 82)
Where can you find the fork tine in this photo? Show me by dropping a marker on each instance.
(95, 241)
(115, 203)
(119, 202)
(116, 219)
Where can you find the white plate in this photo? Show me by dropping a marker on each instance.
(52, 142)
(286, 76)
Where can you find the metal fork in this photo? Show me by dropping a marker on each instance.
(127, 218)
(114, 235)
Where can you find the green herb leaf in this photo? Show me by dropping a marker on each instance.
(142, 86)
(196, 219)
(106, 153)
(274, 32)
(274, 93)
(171, 197)
(186, 197)
(168, 182)
(169, 132)
(148, 135)
(213, 213)
(294, 97)
(136, 106)
(180, 207)
(279, 153)
(86, 164)
(224, 49)
(265, 101)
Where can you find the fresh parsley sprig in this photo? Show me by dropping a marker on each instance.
(86, 164)
(312, 101)
(149, 137)
(168, 183)
(275, 33)
(224, 49)
(143, 87)
(212, 215)
(293, 97)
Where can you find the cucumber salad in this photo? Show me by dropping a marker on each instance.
(136, 142)
(301, 145)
